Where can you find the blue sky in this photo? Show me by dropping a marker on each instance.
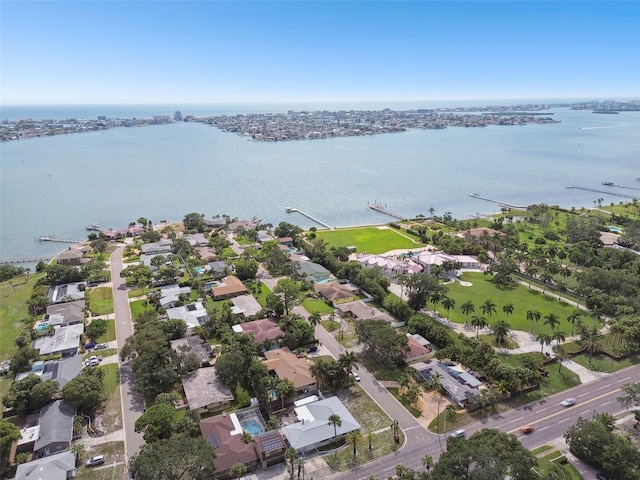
(91, 52)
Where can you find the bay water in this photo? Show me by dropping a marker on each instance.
(58, 185)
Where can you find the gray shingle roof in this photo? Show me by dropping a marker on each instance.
(56, 424)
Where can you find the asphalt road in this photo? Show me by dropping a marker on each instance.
(132, 404)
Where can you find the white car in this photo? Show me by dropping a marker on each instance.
(355, 376)
(567, 402)
(97, 460)
(458, 433)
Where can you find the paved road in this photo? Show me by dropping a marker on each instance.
(132, 404)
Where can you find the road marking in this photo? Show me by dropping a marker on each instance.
(580, 396)
(602, 388)
(517, 420)
(543, 409)
(606, 403)
(564, 420)
(542, 428)
(625, 378)
(585, 411)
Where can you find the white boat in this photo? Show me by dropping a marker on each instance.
(93, 226)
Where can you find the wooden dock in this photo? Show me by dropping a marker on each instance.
(498, 202)
(52, 238)
(4, 261)
(601, 191)
(310, 217)
(380, 209)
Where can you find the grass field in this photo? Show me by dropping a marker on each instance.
(312, 305)
(369, 239)
(522, 299)
(100, 300)
(13, 309)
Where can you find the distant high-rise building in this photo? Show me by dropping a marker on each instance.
(177, 116)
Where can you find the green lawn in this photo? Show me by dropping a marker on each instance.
(107, 352)
(111, 332)
(313, 305)
(372, 418)
(261, 296)
(545, 464)
(12, 310)
(139, 306)
(369, 239)
(100, 300)
(603, 363)
(522, 299)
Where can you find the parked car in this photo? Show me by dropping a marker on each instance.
(97, 460)
(92, 363)
(100, 346)
(526, 429)
(567, 402)
(458, 433)
(89, 345)
(600, 476)
(355, 376)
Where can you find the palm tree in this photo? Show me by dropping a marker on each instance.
(435, 381)
(336, 421)
(559, 336)
(448, 303)
(403, 381)
(290, 454)
(427, 462)
(545, 278)
(552, 320)
(508, 310)
(561, 356)
(285, 388)
(394, 427)
(533, 316)
(467, 308)
(561, 287)
(478, 322)
(314, 319)
(501, 329)
(370, 437)
(348, 360)
(544, 339)
(574, 318)
(488, 308)
(591, 341)
(354, 437)
(435, 298)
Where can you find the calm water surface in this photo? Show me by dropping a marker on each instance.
(59, 185)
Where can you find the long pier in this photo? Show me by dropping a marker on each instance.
(502, 204)
(4, 261)
(310, 217)
(52, 238)
(621, 186)
(380, 209)
(601, 191)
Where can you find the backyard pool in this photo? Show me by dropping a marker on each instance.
(252, 426)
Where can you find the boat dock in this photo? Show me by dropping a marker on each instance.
(4, 261)
(380, 209)
(498, 202)
(611, 184)
(52, 238)
(310, 217)
(601, 191)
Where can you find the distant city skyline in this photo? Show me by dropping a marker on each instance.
(150, 52)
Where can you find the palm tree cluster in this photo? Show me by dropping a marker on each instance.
(334, 374)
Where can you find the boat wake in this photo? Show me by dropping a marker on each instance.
(597, 128)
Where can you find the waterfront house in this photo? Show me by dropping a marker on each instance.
(72, 257)
(205, 392)
(389, 266)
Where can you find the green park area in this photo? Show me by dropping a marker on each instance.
(374, 240)
(100, 300)
(522, 298)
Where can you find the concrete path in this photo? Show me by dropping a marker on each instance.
(90, 441)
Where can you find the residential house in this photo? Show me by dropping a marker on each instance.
(66, 313)
(205, 392)
(312, 272)
(459, 384)
(170, 295)
(60, 466)
(224, 434)
(229, 287)
(287, 366)
(196, 239)
(62, 371)
(146, 259)
(264, 236)
(360, 310)
(28, 437)
(389, 266)
(246, 225)
(286, 241)
(195, 345)
(215, 222)
(481, 234)
(429, 260)
(194, 315)
(156, 248)
(245, 305)
(208, 254)
(56, 428)
(64, 341)
(67, 291)
(313, 429)
(336, 292)
(270, 447)
(417, 349)
(218, 267)
(72, 257)
(263, 329)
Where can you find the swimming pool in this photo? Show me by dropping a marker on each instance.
(43, 326)
(615, 229)
(252, 426)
